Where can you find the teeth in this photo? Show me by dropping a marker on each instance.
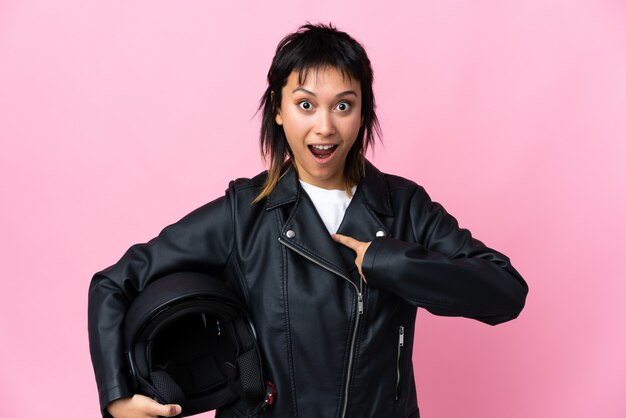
(323, 146)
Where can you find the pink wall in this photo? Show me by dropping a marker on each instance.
(117, 118)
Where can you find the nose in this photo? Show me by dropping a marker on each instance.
(324, 124)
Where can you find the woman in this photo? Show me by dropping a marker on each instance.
(336, 331)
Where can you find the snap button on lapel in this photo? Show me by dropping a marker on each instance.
(290, 234)
(380, 233)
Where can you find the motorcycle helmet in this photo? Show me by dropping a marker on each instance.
(189, 341)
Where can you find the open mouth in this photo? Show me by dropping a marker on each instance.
(322, 152)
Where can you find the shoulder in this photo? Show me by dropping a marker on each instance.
(408, 192)
(395, 184)
(399, 183)
(244, 183)
(245, 190)
(404, 194)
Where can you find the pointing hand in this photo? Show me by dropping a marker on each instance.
(357, 246)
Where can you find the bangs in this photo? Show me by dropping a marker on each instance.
(319, 49)
(303, 72)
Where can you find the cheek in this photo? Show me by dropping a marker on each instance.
(294, 124)
(351, 127)
(293, 132)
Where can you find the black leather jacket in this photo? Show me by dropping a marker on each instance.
(334, 345)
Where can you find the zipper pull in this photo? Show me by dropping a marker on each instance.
(401, 336)
(360, 304)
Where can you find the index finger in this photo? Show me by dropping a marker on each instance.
(347, 241)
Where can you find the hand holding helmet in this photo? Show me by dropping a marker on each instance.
(141, 406)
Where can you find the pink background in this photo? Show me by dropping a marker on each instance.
(117, 118)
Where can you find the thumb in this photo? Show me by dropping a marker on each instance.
(169, 410)
(174, 409)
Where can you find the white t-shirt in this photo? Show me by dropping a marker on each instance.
(330, 204)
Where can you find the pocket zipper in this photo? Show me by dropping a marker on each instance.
(400, 345)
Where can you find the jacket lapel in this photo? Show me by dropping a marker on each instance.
(362, 220)
(304, 231)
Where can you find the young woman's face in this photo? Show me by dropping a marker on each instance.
(321, 119)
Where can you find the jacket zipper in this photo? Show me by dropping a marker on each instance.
(400, 345)
(359, 291)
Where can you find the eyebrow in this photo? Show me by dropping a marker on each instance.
(342, 94)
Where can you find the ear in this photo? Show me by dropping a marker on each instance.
(277, 117)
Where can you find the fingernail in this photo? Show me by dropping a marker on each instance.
(178, 409)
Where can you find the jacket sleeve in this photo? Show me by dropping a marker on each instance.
(445, 270)
(201, 241)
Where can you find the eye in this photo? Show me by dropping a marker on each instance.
(305, 105)
(343, 106)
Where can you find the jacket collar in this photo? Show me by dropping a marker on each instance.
(302, 228)
(374, 188)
